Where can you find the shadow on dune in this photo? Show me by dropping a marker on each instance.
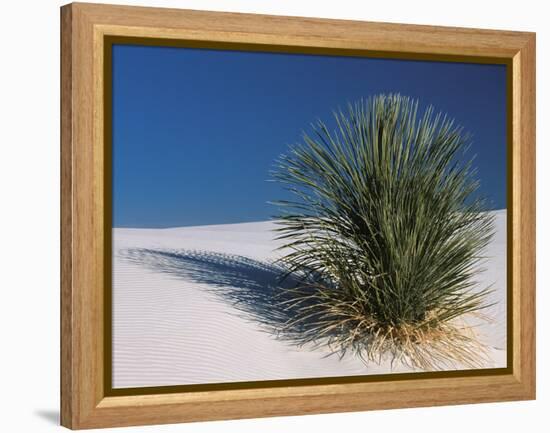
(253, 287)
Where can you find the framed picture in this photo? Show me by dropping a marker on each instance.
(269, 216)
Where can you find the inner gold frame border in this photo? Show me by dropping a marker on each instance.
(108, 43)
(88, 32)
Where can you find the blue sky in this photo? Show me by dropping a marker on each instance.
(195, 132)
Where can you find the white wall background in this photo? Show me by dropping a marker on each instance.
(29, 220)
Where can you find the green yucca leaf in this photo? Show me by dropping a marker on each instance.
(384, 222)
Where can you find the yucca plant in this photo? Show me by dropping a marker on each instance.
(386, 232)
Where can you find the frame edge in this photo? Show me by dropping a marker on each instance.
(527, 203)
(66, 374)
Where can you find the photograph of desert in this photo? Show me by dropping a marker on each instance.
(281, 216)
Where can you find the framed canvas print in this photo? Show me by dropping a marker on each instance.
(271, 216)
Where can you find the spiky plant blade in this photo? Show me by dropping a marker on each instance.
(385, 230)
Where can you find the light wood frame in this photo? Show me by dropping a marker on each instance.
(84, 29)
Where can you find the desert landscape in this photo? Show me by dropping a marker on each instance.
(193, 305)
(358, 230)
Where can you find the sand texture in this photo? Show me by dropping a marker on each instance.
(193, 305)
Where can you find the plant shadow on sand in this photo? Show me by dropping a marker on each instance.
(259, 293)
(256, 289)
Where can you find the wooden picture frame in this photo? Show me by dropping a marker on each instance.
(87, 400)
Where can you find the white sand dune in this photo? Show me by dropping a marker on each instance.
(175, 320)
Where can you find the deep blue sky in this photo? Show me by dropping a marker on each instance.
(195, 132)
